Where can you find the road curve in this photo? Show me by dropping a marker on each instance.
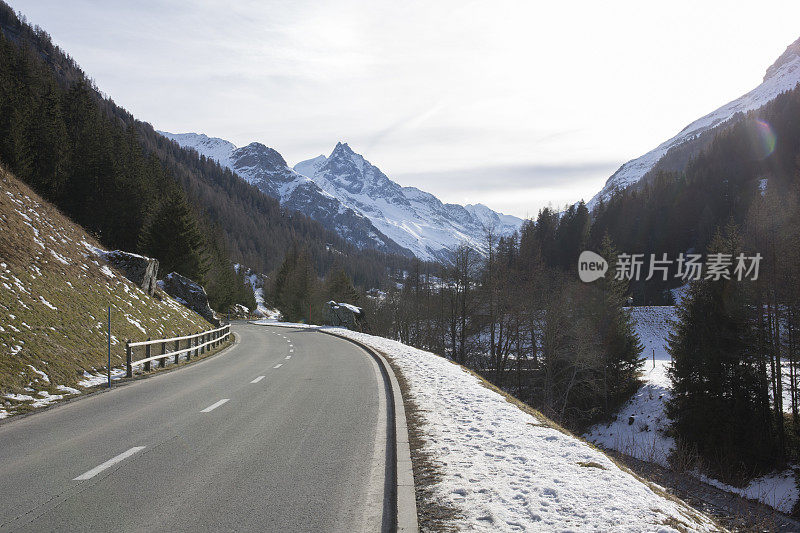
(286, 431)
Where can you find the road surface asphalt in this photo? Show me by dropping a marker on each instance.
(211, 446)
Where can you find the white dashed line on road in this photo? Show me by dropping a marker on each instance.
(288, 357)
(214, 406)
(259, 378)
(278, 365)
(111, 462)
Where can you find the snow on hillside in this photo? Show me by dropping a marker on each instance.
(506, 470)
(256, 281)
(214, 148)
(640, 426)
(782, 76)
(641, 423)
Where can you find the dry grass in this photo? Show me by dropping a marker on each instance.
(54, 295)
(591, 464)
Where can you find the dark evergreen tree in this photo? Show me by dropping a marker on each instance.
(620, 345)
(339, 288)
(172, 235)
(717, 403)
(294, 286)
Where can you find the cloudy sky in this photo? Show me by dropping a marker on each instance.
(515, 104)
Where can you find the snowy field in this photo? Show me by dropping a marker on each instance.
(639, 428)
(505, 470)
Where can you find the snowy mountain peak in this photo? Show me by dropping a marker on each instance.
(348, 170)
(791, 54)
(211, 147)
(413, 218)
(782, 76)
(342, 150)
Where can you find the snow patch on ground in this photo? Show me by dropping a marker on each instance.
(44, 377)
(48, 304)
(778, 490)
(100, 378)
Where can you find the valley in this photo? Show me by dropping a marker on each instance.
(398, 360)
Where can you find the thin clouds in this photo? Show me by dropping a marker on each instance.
(519, 190)
(514, 177)
(506, 89)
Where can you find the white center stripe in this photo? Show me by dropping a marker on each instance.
(259, 378)
(214, 406)
(111, 462)
(291, 351)
(288, 357)
(278, 365)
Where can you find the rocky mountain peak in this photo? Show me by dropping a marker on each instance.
(257, 153)
(342, 150)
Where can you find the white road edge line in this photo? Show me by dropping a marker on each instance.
(111, 462)
(259, 378)
(214, 406)
(278, 365)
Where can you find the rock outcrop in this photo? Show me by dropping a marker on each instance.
(238, 312)
(343, 315)
(190, 294)
(141, 270)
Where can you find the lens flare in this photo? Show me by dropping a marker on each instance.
(763, 138)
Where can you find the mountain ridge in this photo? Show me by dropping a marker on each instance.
(782, 76)
(353, 197)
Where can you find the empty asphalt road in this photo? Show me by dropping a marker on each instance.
(286, 431)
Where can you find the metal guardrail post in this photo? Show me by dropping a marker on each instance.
(147, 352)
(128, 365)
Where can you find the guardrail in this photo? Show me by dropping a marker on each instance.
(197, 344)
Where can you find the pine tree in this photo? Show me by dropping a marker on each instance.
(339, 288)
(716, 405)
(294, 286)
(620, 344)
(172, 236)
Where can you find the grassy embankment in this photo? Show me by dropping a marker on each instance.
(54, 295)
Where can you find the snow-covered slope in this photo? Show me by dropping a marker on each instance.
(349, 195)
(782, 76)
(413, 218)
(504, 469)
